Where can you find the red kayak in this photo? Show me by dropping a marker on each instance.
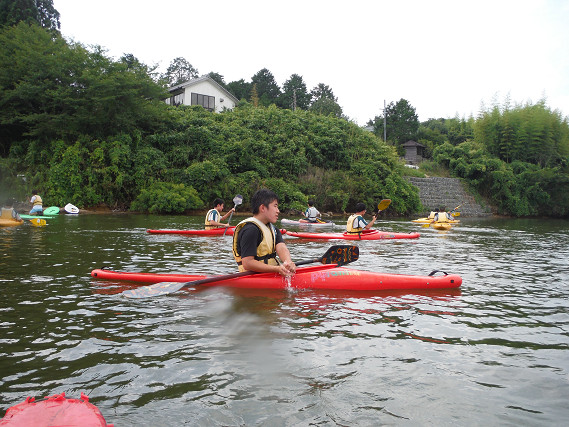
(210, 232)
(364, 235)
(54, 411)
(328, 277)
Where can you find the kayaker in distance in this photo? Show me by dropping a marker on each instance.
(8, 211)
(312, 214)
(37, 204)
(442, 216)
(213, 216)
(356, 222)
(257, 242)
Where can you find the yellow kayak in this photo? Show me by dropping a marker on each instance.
(427, 220)
(441, 225)
(10, 222)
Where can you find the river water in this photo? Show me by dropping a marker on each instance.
(494, 352)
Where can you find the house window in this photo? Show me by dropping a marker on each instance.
(206, 101)
(176, 99)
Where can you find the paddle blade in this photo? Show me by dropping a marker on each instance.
(237, 200)
(455, 213)
(38, 222)
(383, 204)
(341, 254)
(427, 225)
(155, 290)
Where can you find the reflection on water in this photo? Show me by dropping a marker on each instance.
(271, 357)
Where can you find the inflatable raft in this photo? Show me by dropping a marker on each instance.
(303, 222)
(54, 411)
(329, 277)
(364, 235)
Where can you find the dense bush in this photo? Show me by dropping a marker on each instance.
(219, 155)
(167, 197)
(517, 188)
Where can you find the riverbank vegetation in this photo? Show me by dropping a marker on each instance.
(516, 157)
(87, 129)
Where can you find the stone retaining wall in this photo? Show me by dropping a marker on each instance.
(447, 193)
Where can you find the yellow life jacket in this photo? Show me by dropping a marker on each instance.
(266, 251)
(443, 217)
(7, 213)
(350, 225)
(38, 201)
(432, 215)
(208, 225)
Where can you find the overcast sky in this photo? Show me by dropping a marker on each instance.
(444, 57)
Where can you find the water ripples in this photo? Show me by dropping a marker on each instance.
(260, 357)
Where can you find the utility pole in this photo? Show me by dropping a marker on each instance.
(384, 122)
(294, 99)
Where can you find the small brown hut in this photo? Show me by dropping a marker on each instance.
(413, 152)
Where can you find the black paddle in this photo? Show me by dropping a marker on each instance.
(237, 200)
(339, 254)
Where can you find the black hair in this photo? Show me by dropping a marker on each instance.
(34, 192)
(360, 207)
(218, 201)
(9, 202)
(264, 197)
(310, 202)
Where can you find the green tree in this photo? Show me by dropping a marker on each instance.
(180, 71)
(39, 12)
(240, 89)
(402, 123)
(295, 94)
(217, 78)
(267, 88)
(55, 90)
(322, 91)
(326, 106)
(254, 98)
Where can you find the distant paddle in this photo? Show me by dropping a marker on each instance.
(339, 254)
(237, 200)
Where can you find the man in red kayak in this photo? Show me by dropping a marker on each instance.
(213, 216)
(257, 242)
(312, 214)
(356, 222)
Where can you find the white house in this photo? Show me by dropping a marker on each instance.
(202, 91)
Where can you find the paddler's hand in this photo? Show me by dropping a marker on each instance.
(287, 269)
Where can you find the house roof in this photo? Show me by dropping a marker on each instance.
(413, 144)
(202, 79)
